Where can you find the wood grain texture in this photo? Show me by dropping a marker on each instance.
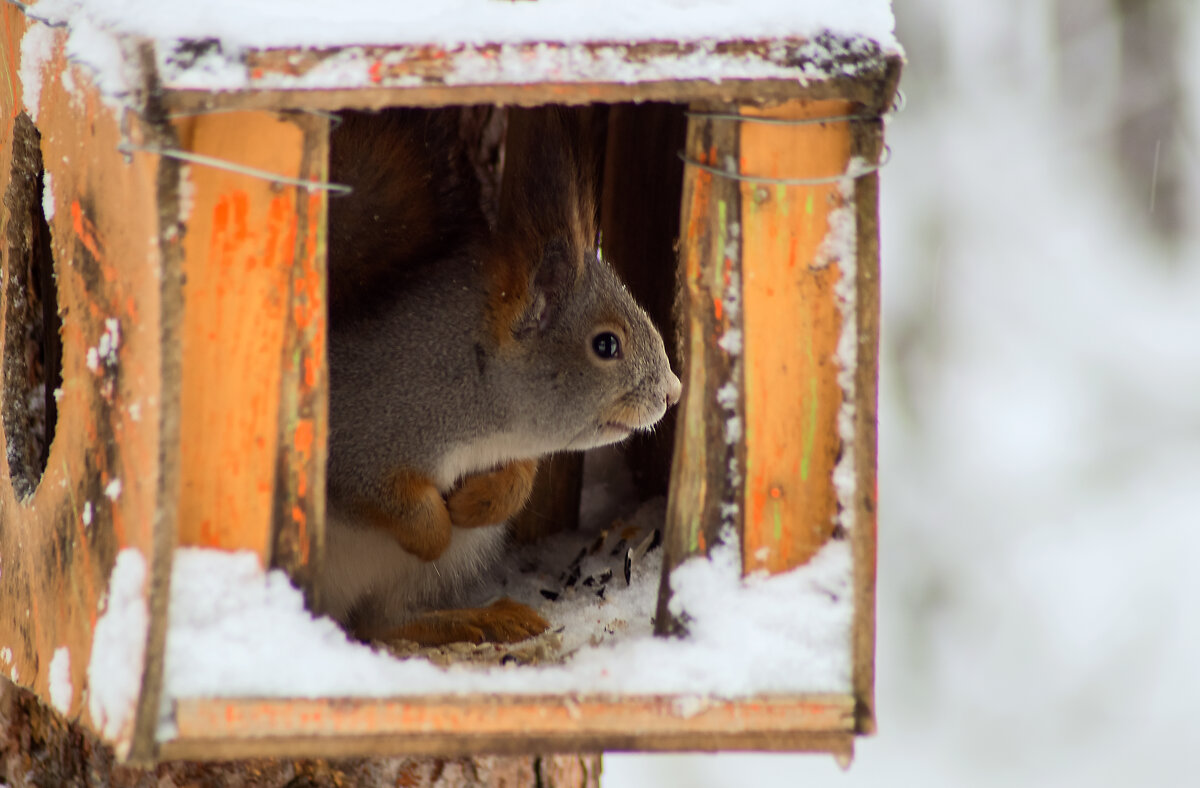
(241, 257)
(298, 517)
(418, 75)
(705, 474)
(508, 724)
(792, 324)
(110, 481)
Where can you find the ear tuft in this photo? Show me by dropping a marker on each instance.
(552, 280)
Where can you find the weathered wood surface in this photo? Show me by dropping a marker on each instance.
(252, 410)
(39, 749)
(791, 326)
(546, 72)
(709, 450)
(505, 724)
(110, 485)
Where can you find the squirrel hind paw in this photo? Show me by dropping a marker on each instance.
(503, 621)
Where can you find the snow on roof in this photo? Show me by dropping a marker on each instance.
(204, 45)
(263, 24)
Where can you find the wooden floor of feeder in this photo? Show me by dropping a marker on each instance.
(243, 728)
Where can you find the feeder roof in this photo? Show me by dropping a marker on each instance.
(220, 45)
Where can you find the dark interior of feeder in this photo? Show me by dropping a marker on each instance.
(32, 342)
(639, 184)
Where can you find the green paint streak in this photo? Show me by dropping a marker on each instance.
(810, 437)
(778, 521)
(808, 204)
(781, 198)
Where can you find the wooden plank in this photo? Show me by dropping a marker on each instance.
(508, 724)
(840, 745)
(240, 247)
(726, 91)
(299, 505)
(791, 328)
(868, 144)
(543, 72)
(643, 185)
(106, 496)
(705, 475)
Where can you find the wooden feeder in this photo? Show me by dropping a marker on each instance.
(191, 409)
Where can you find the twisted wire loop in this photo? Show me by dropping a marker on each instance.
(853, 173)
(222, 164)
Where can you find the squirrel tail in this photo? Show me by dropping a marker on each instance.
(415, 200)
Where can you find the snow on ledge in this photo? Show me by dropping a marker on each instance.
(237, 631)
(204, 45)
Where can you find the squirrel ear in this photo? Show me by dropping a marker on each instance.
(551, 283)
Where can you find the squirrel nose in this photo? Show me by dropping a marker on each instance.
(674, 389)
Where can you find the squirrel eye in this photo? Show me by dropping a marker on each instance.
(606, 345)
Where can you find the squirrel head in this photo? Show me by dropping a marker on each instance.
(584, 361)
(581, 356)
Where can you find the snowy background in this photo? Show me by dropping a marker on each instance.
(1040, 416)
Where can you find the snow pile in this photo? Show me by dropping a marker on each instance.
(118, 646)
(61, 691)
(238, 631)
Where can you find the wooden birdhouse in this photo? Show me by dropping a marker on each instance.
(164, 178)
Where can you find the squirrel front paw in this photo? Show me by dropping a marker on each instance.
(415, 514)
(492, 497)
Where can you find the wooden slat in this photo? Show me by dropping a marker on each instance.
(241, 244)
(512, 724)
(299, 504)
(704, 490)
(377, 76)
(840, 745)
(792, 324)
(868, 145)
(110, 479)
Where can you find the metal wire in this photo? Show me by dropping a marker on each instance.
(334, 119)
(27, 11)
(780, 121)
(222, 164)
(738, 176)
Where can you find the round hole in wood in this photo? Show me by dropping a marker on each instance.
(32, 370)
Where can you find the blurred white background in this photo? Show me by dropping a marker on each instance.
(1039, 599)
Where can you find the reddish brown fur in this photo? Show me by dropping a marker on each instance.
(490, 498)
(416, 515)
(503, 621)
(415, 200)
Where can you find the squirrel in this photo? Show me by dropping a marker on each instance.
(473, 352)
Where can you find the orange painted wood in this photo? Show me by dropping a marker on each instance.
(704, 493)
(240, 246)
(109, 486)
(792, 323)
(416, 76)
(499, 717)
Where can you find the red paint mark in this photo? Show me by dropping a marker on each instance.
(310, 372)
(256, 73)
(375, 72)
(304, 438)
(86, 231)
(718, 308)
